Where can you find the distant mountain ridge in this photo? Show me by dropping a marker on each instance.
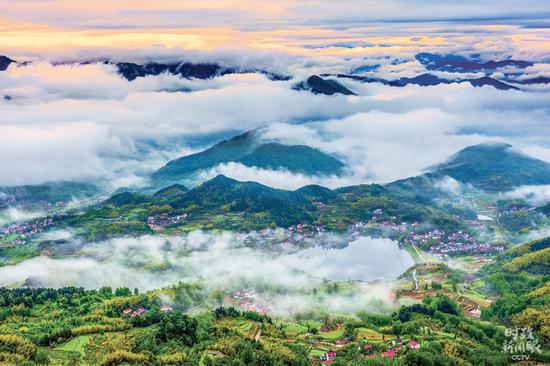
(185, 69)
(457, 63)
(5, 62)
(318, 85)
(249, 150)
(50, 192)
(430, 80)
(131, 71)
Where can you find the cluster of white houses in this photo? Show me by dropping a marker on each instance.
(25, 229)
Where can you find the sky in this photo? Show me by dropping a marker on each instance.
(69, 116)
(281, 26)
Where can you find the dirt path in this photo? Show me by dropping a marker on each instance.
(415, 280)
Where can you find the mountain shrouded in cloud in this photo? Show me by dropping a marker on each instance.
(244, 205)
(131, 71)
(494, 166)
(249, 150)
(318, 85)
(431, 80)
(488, 166)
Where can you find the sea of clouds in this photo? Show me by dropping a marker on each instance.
(84, 122)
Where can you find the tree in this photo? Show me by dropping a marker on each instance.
(106, 291)
(217, 296)
(123, 291)
(42, 358)
(446, 305)
(179, 327)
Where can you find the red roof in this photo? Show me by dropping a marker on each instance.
(127, 310)
(389, 353)
(138, 312)
(331, 354)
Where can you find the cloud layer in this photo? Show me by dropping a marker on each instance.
(82, 122)
(220, 261)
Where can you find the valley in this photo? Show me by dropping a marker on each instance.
(363, 272)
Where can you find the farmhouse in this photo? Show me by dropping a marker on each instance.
(138, 312)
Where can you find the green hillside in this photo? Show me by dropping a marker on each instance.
(223, 152)
(171, 192)
(520, 279)
(494, 167)
(224, 203)
(250, 150)
(297, 159)
(221, 194)
(70, 326)
(532, 257)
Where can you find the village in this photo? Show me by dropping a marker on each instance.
(247, 300)
(437, 242)
(23, 230)
(442, 244)
(159, 222)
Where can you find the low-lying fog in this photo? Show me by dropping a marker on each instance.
(220, 261)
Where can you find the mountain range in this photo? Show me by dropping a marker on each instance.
(225, 203)
(228, 204)
(131, 71)
(318, 84)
